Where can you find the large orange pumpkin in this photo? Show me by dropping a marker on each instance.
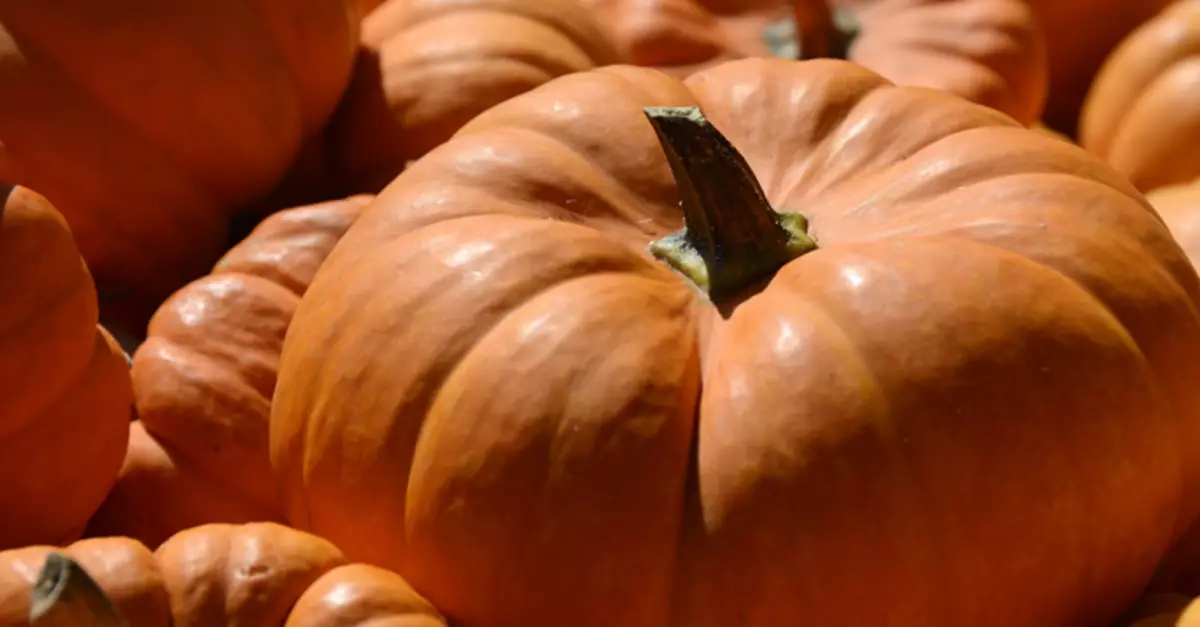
(1142, 114)
(973, 404)
(147, 123)
(203, 382)
(65, 396)
(1080, 34)
(988, 51)
(429, 66)
(236, 575)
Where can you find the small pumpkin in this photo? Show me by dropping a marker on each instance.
(1080, 35)
(988, 51)
(429, 66)
(212, 103)
(65, 394)
(203, 382)
(520, 386)
(1141, 113)
(254, 574)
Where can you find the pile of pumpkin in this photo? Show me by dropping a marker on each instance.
(600, 313)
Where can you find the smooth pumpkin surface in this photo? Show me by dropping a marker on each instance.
(492, 389)
(988, 51)
(204, 378)
(359, 594)
(1141, 113)
(212, 103)
(429, 66)
(65, 394)
(1179, 206)
(1080, 35)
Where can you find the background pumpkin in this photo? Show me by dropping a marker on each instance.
(491, 389)
(203, 382)
(212, 102)
(429, 66)
(255, 574)
(65, 395)
(988, 51)
(1141, 114)
(1080, 34)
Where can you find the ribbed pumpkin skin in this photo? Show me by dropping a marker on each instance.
(1143, 111)
(65, 395)
(492, 390)
(204, 378)
(241, 574)
(211, 104)
(987, 51)
(254, 575)
(432, 65)
(122, 567)
(1080, 34)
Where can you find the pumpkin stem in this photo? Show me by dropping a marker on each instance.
(64, 594)
(813, 31)
(732, 236)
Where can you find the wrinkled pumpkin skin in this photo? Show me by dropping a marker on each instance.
(491, 389)
(65, 394)
(1141, 113)
(203, 382)
(1080, 35)
(988, 51)
(429, 66)
(199, 125)
(241, 574)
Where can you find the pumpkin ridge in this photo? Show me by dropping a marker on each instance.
(439, 63)
(567, 28)
(617, 206)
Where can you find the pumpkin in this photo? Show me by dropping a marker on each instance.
(1179, 206)
(212, 103)
(117, 574)
(1140, 114)
(988, 51)
(429, 66)
(254, 574)
(518, 385)
(203, 382)
(1163, 610)
(1080, 34)
(65, 394)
